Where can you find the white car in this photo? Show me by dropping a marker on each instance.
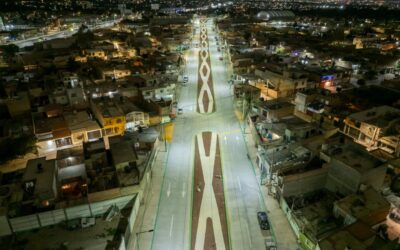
(88, 222)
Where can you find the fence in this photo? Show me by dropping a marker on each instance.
(143, 186)
(90, 209)
(53, 217)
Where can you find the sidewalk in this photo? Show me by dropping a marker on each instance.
(285, 237)
(141, 238)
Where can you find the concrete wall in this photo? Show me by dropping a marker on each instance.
(53, 217)
(375, 177)
(304, 183)
(342, 178)
(71, 172)
(288, 212)
(97, 206)
(78, 212)
(24, 223)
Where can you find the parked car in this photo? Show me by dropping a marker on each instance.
(270, 243)
(88, 222)
(180, 111)
(185, 79)
(219, 50)
(263, 220)
(220, 58)
(80, 223)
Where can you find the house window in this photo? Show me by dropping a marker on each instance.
(108, 131)
(63, 142)
(93, 135)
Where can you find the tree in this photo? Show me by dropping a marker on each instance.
(11, 148)
(9, 50)
(361, 82)
(370, 74)
(247, 35)
(72, 65)
(84, 37)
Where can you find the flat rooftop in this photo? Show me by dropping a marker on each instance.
(276, 104)
(354, 156)
(108, 108)
(365, 204)
(317, 217)
(352, 237)
(122, 152)
(80, 121)
(379, 116)
(42, 172)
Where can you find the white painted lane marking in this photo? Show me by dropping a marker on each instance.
(172, 225)
(248, 235)
(240, 185)
(183, 189)
(169, 189)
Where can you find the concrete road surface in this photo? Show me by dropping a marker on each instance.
(242, 193)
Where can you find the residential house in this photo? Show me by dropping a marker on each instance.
(109, 115)
(159, 92)
(376, 129)
(393, 224)
(354, 236)
(124, 159)
(280, 82)
(280, 132)
(56, 130)
(115, 73)
(76, 97)
(276, 159)
(59, 96)
(71, 174)
(39, 183)
(96, 54)
(274, 110)
(304, 179)
(134, 116)
(19, 104)
(83, 128)
(52, 132)
(330, 79)
(368, 206)
(351, 167)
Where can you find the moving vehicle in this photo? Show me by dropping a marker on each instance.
(180, 111)
(220, 58)
(185, 79)
(263, 220)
